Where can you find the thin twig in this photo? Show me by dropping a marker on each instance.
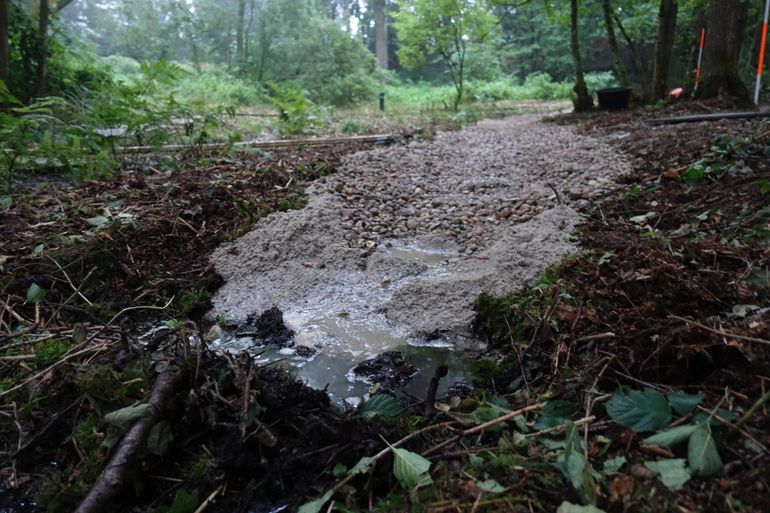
(718, 332)
(76, 289)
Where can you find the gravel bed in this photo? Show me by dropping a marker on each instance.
(497, 199)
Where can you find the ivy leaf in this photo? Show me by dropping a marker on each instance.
(702, 453)
(316, 505)
(35, 293)
(568, 507)
(615, 464)
(640, 410)
(683, 403)
(381, 405)
(124, 417)
(491, 486)
(160, 438)
(409, 468)
(672, 472)
(363, 466)
(671, 437)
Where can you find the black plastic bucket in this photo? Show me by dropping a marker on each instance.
(614, 98)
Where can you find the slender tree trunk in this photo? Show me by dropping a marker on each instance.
(4, 52)
(641, 69)
(380, 33)
(239, 48)
(582, 100)
(664, 45)
(617, 59)
(41, 75)
(724, 28)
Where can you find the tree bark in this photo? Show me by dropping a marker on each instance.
(617, 59)
(641, 69)
(4, 52)
(664, 45)
(724, 27)
(41, 75)
(582, 100)
(239, 30)
(380, 33)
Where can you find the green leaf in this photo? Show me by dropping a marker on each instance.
(98, 221)
(556, 413)
(568, 507)
(615, 464)
(491, 486)
(672, 473)
(316, 505)
(6, 202)
(160, 438)
(683, 403)
(702, 453)
(572, 463)
(671, 437)
(339, 471)
(35, 293)
(409, 467)
(184, 502)
(381, 405)
(640, 410)
(124, 417)
(363, 466)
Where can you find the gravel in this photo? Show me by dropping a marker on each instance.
(494, 201)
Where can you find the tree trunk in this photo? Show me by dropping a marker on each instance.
(641, 69)
(380, 33)
(582, 100)
(239, 30)
(724, 28)
(664, 45)
(41, 75)
(4, 52)
(617, 60)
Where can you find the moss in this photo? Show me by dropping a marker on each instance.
(193, 299)
(58, 495)
(49, 351)
(101, 383)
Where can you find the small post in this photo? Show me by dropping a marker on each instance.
(762, 47)
(700, 57)
(382, 102)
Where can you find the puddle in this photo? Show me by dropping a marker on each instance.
(345, 325)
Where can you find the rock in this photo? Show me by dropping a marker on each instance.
(269, 328)
(306, 351)
(389, 370)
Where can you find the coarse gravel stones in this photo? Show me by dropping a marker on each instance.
(403, 239)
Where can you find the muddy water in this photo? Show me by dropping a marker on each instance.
(345, 324)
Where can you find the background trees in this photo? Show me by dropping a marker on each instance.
(326, 47)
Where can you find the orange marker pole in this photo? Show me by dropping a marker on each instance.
(761, 53)
(700, 57)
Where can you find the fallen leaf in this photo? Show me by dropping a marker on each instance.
(621, 488)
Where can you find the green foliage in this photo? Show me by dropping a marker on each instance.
(192, 299)
(380, 406)
(672, 472)
(410, 469)
(297, 114)
(444, 29)
(100, 382)
(573, 464)
(640, 411)
(184, 502)
(50, 351)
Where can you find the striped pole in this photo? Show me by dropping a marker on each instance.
(700, 57)
(761, 53)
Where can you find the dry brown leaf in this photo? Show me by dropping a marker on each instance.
(621, 488)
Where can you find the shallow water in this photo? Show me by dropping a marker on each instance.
(345, 325)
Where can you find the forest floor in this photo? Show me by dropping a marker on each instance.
(104, 286)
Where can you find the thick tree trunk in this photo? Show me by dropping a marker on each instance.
(617, 60)
(239, 30)
(724, 28)
(664, 46)
(380, 33)
(582, 100)
(41, 75)
(4, 52)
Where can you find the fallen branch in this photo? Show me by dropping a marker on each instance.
(118, 469)
(707, 117)
(718, 332)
